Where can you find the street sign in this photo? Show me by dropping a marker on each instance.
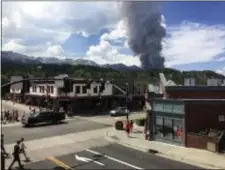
(83, 159)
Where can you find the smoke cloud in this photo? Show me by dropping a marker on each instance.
(145, 32)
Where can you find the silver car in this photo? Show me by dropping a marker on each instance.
(120, 111)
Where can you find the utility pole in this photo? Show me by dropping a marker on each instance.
(127, 98)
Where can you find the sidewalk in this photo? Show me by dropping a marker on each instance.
(201, 158)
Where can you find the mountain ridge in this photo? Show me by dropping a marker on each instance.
(17, 57)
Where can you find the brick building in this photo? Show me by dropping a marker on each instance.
(188, 115)
(188, 122)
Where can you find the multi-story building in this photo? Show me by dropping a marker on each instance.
(77, 95)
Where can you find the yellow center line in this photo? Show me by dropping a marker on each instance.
(58, 162)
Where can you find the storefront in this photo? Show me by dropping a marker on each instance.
(167, 121)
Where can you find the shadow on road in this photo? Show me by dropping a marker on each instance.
(48, 124)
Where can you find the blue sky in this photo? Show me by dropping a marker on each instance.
(95, 30)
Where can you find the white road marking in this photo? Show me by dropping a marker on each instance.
(114, 159)
(79, 158)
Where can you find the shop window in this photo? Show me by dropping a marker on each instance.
(158, 107)
(167, 107)
(178, 108)
(168, 129)
(159, 127)
(77, 90)
(178, 129)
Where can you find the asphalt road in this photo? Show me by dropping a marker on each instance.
(12, 134)
(113, 156)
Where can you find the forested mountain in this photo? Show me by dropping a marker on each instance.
(10, 67)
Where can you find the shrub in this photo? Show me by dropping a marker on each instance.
(119, 125)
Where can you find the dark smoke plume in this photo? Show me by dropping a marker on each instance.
(145, 32)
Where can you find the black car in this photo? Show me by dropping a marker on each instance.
(42, 117)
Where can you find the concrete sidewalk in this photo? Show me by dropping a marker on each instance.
(201, 158)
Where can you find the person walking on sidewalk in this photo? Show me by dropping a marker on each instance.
(127, 127)
(23, 149)
(16, 156)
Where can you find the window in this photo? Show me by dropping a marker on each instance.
(48, 89)
(41, 89)
(95, 89)
(84, 89)
(159, 127)
(157, 106)
(167, 107)
(168, 128)
(77, 90)
(34, 88)
(51, 89)
(178, 108)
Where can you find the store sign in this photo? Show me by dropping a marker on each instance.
(221, 118)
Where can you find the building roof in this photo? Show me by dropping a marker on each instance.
(190, 100)
(196, 88)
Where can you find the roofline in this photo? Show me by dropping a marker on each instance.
(189, 100)
(196, 88)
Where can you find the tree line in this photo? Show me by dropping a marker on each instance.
(80, 71)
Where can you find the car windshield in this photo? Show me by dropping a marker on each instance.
(34, 114)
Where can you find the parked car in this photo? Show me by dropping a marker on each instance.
(120, 111)
(31, 119)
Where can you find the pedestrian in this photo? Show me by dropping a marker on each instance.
(17, 116)
(16, 156)
(23, 149)
(127, 128)
(131, 125)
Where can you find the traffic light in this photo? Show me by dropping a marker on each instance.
(68, 85)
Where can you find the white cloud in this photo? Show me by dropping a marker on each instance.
(39, 23)
(119, 32)
(40, 29)
(105, 52)
(14, 46)
(193, 43)
(55, 50)
(221, 71)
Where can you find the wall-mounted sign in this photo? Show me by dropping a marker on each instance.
(221, 118)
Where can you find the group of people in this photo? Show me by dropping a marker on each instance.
(19, 148)
(10, 117)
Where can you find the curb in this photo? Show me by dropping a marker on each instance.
(182, 159)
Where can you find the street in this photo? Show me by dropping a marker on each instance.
(12, 134)
(111, 156)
